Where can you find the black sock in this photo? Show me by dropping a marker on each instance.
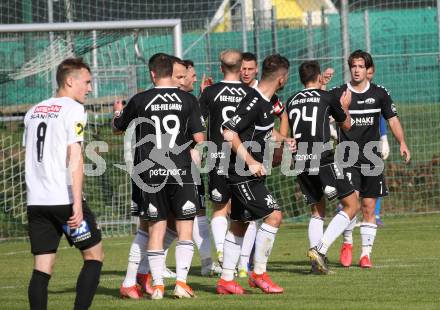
(87, 283)
(37, 290)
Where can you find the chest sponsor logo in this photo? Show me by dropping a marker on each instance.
(370, 101)
(362, 121)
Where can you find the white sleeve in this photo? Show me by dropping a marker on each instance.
(76, 124)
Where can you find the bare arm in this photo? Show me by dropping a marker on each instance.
(397, 130)
(117, 108)
(75, 163)
(327, 77)
(255, 167)
(284, 124)
(345, 103)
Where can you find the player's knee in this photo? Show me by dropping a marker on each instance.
(274, 219)
(94, 253)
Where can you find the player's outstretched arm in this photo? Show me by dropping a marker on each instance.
(397, 130)
(255, 167)
(117, 108)
(75, 163)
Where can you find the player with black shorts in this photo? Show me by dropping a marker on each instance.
(164, 115)
(369, 102)
(218, 103)
(248, 75)
(249, 129)
(54, 132)
(318, 173)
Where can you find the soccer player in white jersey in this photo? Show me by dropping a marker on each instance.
(369, 102)
(54, 132)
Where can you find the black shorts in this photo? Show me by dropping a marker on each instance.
(367, 186)
(201, 192)
(48, 223)
(250, 200)
(136, 199)
(219, 190)
(325, 182)
(179, 200)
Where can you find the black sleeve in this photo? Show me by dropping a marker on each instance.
(388, 107)
(196, 121)
(128, 114)
(336, 91)
(204, 103)
(336, 110)
(245, 115)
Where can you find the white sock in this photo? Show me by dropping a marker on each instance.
(316, 230)
(184, 255)
(248, 244)
(201, 237)
(368, 233)
(156, 260)
(170, 236)
(137, 252)
(263, 246)
(231, 254)
(337, 225)
(348, 232)
(219, 227)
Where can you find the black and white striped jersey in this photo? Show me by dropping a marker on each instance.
(365, 110)
(308, 112)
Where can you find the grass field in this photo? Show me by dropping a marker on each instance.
(405, 275)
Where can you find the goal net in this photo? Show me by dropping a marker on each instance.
(402, 36)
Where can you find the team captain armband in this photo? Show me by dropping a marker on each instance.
(278, 106)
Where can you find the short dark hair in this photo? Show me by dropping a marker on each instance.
(248, 56)
(188, 63)
(273, 64)
(177, 60)
(67, 66)
(161, 64)
(309, 71)
(361, 54)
